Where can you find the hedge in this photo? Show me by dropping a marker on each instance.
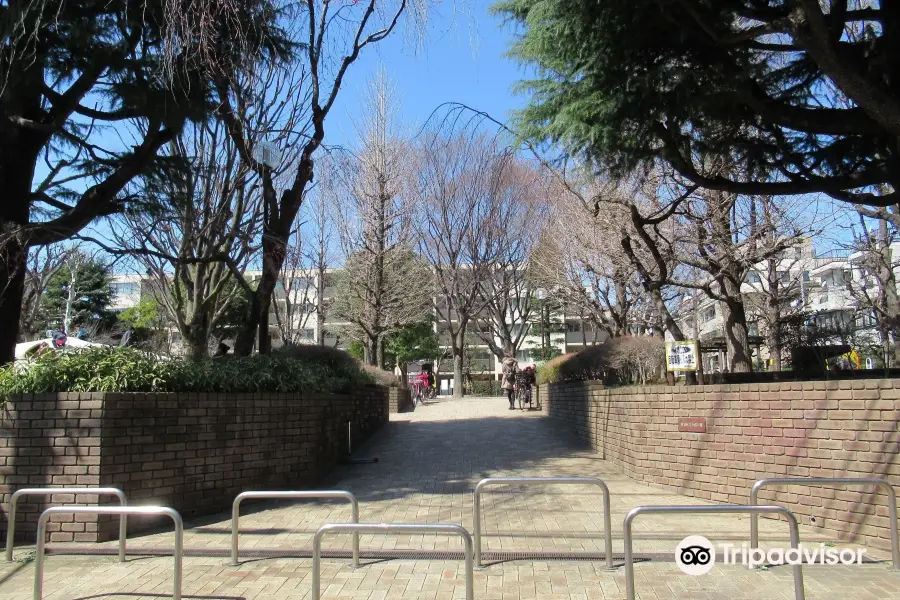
(315, 370)
(626, 360)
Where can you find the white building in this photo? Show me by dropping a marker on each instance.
(563, 331)
(814, 286)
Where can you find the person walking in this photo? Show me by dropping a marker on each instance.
(510, 368)
(398, 373)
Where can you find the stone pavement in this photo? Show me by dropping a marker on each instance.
(430, 461)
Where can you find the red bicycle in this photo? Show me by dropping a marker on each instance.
(422, 392)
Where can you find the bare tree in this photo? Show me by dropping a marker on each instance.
(459, 179)
(43, 263)
(720, 235)
(333, 38)
(382, 285)
(777, 287)
(303, 276)
(320, 256)
(874, 286)
(582, 265)
(509, 291)
(294, 300)
(197, 245)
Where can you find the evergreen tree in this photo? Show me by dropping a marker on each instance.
(78, 295)
(796, 97)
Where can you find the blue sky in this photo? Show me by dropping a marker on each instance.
(462, 61)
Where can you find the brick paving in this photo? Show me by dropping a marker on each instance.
(430, 461)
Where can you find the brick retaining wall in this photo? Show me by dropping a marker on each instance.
(809, 429)
(193, 452)
(400, 400)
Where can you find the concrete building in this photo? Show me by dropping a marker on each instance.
(561, 330)
(814, 287)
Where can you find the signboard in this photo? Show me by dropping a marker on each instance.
(692, 424)
(682, 356)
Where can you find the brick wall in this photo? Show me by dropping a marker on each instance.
(808, 429)
(193, 452)
(400, 400)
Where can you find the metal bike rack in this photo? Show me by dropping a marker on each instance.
(860, 481)
(322, 494)
(105, 491)
(385, 528)
(108, 510)
(799, 593)
(607, 519)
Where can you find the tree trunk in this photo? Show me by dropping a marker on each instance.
(19, 152)
(737, 340)
(772, 312)
(370, 351)
(196, 342)
(276, 233)
(773, 341)
(70, 299)
(12, 288)
(245, 339)
(320, 303)
(457, 373)
(888, 284)
(379, 356)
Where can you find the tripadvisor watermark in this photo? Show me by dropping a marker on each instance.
(696, 555)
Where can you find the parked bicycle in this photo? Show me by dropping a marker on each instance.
(525, 380)
(523, 396)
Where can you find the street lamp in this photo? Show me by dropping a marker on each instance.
(268, 155)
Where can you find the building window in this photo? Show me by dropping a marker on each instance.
(708, 314)
(866, 319)
(753, 277)
(124, 288)
(805, 275)
(301, 283)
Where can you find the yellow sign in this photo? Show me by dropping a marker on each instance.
(682, 356)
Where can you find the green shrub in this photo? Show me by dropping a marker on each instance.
(486, 388)
(130, 370)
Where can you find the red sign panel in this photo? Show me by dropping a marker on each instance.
(692, 424)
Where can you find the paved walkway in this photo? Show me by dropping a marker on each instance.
(430, 461)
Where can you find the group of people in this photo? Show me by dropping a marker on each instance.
(515, 378)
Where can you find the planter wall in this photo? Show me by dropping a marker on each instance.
(193, 452)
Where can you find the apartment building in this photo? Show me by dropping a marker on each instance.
(815, 288)
(547, 328)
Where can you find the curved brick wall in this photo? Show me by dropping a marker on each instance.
(808, 429)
